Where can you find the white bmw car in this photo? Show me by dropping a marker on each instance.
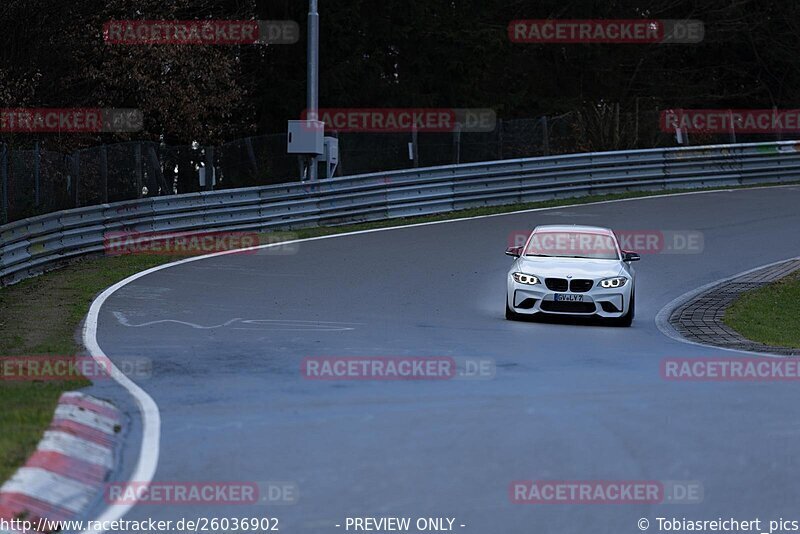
(572, 270)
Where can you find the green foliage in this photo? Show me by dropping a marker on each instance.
(769, 315)
(392, 53)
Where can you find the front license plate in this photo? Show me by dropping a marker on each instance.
(568, 298)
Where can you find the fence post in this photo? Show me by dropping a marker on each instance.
(138, 156)
(4, 180)
(158, 180)
(545, 136)
(414, 146)
(500, 139)
(104, 171)
(37, 154)
(76, 173)
(251, 155)
(210, 173)
(457, 144)
(341, 167)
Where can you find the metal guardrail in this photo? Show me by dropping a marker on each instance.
(31, 246)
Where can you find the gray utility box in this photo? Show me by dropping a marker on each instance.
(331, 157)
(331, 150)
(306, 137)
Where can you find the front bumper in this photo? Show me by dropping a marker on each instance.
(529, 300)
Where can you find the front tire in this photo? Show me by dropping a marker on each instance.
(511, 315)
(627, 319)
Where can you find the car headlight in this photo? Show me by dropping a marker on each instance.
(617, 281)
(523, 278)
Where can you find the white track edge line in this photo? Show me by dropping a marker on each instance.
(151, 417)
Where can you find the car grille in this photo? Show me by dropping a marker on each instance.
(568, 307)
(580, 286)
(556, 284)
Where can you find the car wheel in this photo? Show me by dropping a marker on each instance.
(511, 315)
(627, 319)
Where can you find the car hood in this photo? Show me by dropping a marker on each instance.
(575, 267)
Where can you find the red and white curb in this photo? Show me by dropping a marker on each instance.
(69, 469)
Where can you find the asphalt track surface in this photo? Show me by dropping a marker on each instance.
(568, 401)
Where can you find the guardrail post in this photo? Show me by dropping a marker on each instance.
(736, 154)
(104, 171)
(37, 155)
(4, 181)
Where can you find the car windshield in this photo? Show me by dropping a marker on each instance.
(573, 244)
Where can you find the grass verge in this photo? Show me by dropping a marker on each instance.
(41, 316)
(770, 314)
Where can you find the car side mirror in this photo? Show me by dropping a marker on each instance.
(630, 256)
(516, 252)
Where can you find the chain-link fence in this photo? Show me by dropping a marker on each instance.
(34, 181)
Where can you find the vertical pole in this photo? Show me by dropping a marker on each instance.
(210, 172)
(158, 182)
(778, 131)
(328, 166)
(4, 181)
(76, 172)
(545, 136)
(733, 128)
(414, 145)
(251, 155)
(37, 154)
(500, 139)
(104, 171)
(312, 104)
(457, 144)
(138, 158)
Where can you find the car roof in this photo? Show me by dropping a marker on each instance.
(573, 228)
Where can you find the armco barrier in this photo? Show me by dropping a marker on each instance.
(31, 246)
